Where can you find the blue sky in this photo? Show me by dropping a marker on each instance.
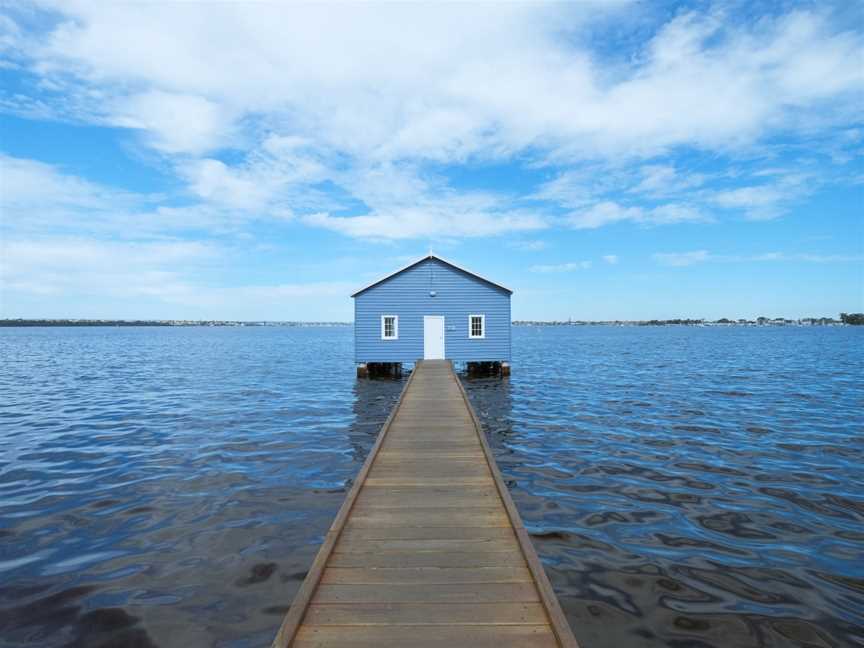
(609, 160)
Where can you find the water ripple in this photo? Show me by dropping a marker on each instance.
(687, 486)
(170, 487)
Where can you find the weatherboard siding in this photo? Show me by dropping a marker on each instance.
(458, 295)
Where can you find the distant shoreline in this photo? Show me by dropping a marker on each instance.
(207, 323)
(762, 321)
(845, 320)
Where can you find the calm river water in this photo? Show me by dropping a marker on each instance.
(685, 487)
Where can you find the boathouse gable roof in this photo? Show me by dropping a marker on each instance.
(426, 258)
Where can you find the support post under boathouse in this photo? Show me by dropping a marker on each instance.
(435, 310)
(428, 549)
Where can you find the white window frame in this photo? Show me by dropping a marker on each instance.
(482, 326)
(395, 335)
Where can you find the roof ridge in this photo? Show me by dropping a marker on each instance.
(425, 257)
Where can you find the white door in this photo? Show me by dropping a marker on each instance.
(433, 337)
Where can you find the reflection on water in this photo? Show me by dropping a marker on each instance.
(684, 486)
(690, 487)
(170, 487)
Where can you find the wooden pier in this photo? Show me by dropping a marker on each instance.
(428, 548)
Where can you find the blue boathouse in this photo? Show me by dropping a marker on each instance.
(432, 309)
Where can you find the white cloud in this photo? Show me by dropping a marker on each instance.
(123, 273)
(749, 197)
(44, 199)
(826, 258)
(760, 202)
(82, 266)
(665, 180)
(680, 259)
(675, 213)
(593, 183)
(443, 220)
(375, 93)
(611, 259)
(609, 212)
(604, 213)
(28, 185)
(402, 203)
(348, 76)
(562, 267)
(215, 182)
(278, 178)
(175, 123)
(594, 195)
(658, 194)
(769, 199)
(535, 245)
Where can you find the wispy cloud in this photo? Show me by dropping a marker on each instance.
(681, 259)
(562, 267)
(766, 200)
(607, 213)
(31, 185)
(611, 259)
(44, 199)
(434, 221)
(660, 180)
(514, 91)
(172, 273)
(77, 266)
(528, 245)
(769, 73)
(815, 258)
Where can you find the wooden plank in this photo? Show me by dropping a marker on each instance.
(425, 558)
(406, 500)
(432, 417)
(428, 533)
(444, 414)
(426, 442)
(440, 593)
(487, 490)
(430, 467)
(430, 454)
(405, 516)
(435, 465)
(422, 471)
(426, 575)
(427, 481)
(441, 435)
(419, 636)
(488, 545)
(449, 614)
(421, 445)
(431, 517)
(419, 422)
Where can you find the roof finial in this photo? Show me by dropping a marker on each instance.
(431, 253)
